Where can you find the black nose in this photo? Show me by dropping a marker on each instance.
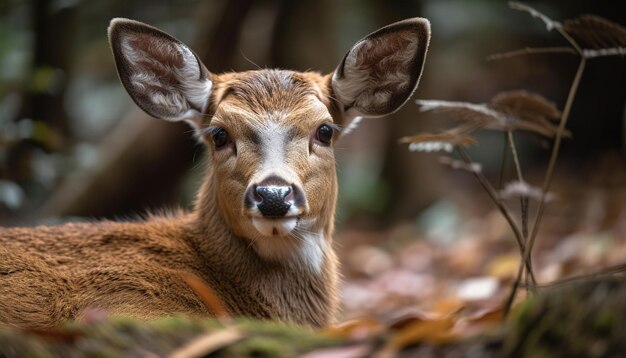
(272, 200)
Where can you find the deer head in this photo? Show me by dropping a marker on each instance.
(270, 133)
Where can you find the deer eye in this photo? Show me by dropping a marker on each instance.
(324, 134)
(220, 138)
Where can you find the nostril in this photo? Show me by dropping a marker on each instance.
(257, 195)
(272, 192)
(272, 201)
(289, 197)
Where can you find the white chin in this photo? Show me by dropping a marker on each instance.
(274, 227)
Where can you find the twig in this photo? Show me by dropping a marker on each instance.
(531, 51)
(520, 178)
(503, 163)
(518, 167)
(496, 200)
(553, 156)
(607, 271)
(524, 212)
(511, 297)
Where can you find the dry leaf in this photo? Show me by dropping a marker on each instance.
(457, 164)
(208, 343)
(431, 147)
(526, 105)
(519, 189)
(358, 328)
(56, 334)
(436, 142)
(479, 322)
(478, 288)
(354, 351)
(493, 315)
(597, 36)
(504, 266)
(208, 295)
(550, 24)
(448, 306)
(433, 332)
(507, 111)
(414, 315)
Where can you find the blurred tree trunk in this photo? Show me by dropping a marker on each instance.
(144, 158)
(413, 179)
(53, 39)
(304, 36)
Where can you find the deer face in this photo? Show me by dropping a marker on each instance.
(273, 155)
(271, 133)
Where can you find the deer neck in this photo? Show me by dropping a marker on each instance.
(274, 288)
(311, 251)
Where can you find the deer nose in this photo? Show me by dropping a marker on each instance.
(272, 200)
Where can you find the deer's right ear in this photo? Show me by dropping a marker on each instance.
(382, 70)
(161, 74)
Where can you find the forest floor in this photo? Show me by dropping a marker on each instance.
(435, 286)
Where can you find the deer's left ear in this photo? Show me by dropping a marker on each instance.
(381, 71)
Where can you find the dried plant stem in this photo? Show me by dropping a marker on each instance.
(503, 163)
(520, 177)
(524, 211)
(496, 200)
(553, 156)
(518, 167)
(607, 271)
(531, 51)
(511, 297)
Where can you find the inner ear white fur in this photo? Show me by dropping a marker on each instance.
(381, 71)
(162, 75)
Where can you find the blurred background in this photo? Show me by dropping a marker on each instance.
(73, 145)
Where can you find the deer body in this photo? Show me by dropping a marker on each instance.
(260, 234)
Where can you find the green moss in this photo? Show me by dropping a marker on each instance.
(261, 347)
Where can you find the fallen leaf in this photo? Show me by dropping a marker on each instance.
(433, 332)
(478, 288)
(208, 295)
(448, 306)
(369, 260)
(354, 351)
(504, 266)
(208, 343)
(479, 321)
(357, 328)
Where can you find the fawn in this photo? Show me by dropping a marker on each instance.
(260, 234)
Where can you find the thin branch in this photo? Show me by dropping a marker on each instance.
(571, 40)
(505, 212)
(511, 297)
(518, 168)
(607, 271)
(531, 51)
(553, 156)
(503, 163)
(524, 210)
(602, 52)
(520, 177)
(550, 24)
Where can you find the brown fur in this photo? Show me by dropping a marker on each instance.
(52, 274)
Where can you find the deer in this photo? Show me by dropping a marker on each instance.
(260, 233)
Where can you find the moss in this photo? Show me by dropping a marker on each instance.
(261, 347)
(580, 319)
(118, 336)
(584, 319)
